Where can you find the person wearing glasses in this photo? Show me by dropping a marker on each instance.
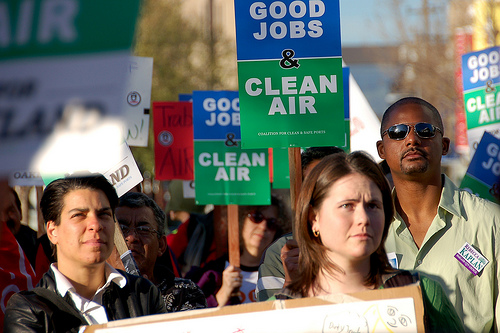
(224, 284)
(142, 223)
(439, 230)
(81, 288)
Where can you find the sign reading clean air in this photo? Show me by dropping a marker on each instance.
(225, 173)
(481, 79)
(290, 73)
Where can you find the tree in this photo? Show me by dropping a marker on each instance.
(185, 58)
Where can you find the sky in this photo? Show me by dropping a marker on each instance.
(369, 22)
(356, 17)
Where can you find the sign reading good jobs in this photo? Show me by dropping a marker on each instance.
(290, 73)
(481, 77)
(224, 173)
(483, 175)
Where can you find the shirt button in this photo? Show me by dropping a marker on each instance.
(419, 262)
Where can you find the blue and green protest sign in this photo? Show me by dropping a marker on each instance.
(290, 73)
(483, 175)
(481, 79)
(224, 173)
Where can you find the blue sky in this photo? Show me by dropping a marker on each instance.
(370, 22)
(356, 17)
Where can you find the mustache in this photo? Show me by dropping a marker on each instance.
(414, 150)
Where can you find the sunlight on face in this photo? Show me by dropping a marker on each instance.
(351, 219)
(84, 236)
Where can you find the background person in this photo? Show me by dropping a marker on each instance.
(143, 223)
(259, 226)
(434, 219)
(27, 238)
(80, 288)
(342, 218)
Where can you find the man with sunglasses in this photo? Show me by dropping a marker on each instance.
(142, 223)
(438, 229)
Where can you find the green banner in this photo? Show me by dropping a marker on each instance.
(48, 28)
(229, 175)
(294, 107)
(482, 107)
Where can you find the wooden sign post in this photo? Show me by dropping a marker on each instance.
(233, 235)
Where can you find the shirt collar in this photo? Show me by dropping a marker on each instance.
(63, 284)
(450, 201)
(450, 197)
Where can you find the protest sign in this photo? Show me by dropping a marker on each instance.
(481, 79)
(386, 310)
(120, 167)
(290, 73)
(66, 60)
(224, 173)
(137, 100)
(25, 178)
(173, 132)
(483, 175)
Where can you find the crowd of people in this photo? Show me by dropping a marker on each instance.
(356, 228)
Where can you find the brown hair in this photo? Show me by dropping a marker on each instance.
(313, 254)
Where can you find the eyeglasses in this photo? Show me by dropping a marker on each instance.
(257, 217)
(400, 131)
(141, 231)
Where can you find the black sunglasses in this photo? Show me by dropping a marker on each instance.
(257, 217)
(400, 131)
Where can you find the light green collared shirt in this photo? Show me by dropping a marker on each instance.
(461, 217)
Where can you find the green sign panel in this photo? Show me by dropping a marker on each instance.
(294, 107)
(48, 28)
(482, 107)
(229, 175)
(281, 168)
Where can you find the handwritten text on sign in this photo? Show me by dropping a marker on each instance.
(173, 130)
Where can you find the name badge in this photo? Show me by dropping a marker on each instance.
(471, 259)
(393, 260)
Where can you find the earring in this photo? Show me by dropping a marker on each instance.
(316, 233)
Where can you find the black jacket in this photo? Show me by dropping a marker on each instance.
(43, 309)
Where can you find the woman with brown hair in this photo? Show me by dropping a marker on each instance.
(341, 222)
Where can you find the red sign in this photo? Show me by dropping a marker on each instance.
(174, 147)
(463, 44)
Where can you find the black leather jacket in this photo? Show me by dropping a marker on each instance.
(43, 309)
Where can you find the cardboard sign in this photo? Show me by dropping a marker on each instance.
(137, 100)
(119, 168)
(483, 175)
(481, 79)
(188, 189)
(53, 55)
(290, 73)
(385, 310)
(173, 131)
(125, 173)
(224, 173)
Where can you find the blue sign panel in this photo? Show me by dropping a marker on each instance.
(481, 68)
(266, 29)
(485, 165)
(216, 115)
